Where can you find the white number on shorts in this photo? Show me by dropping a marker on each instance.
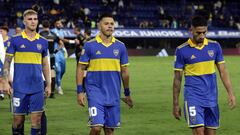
(192, 111)
(92, 111)
(16, 102)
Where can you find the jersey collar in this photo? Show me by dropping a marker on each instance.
(24, 35)
(99, 40)
(205, 42)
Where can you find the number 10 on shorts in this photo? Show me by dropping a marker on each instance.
(92, 111)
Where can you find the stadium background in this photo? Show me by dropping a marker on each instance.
(152, 112)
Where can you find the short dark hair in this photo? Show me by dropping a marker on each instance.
(77, 28)
(199, 21)
(87, 31)
(105, 15)
(4, 28)
(46, 24)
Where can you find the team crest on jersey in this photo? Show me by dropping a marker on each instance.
(39, 46)
(210, 53)
(116, 52)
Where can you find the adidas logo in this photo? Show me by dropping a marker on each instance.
(98, 52)
(22, 46)
(193, 57)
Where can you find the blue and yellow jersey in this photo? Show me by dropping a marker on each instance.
(28, 54)
(103, 80)
(198, 64)
(6, 43)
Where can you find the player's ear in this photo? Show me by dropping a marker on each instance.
(98, 25)
(24, 22)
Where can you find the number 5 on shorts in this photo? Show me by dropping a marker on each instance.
(192, 111)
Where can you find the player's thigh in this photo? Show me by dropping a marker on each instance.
(36, 102)
(194, 114)
(212, 117)
(112, 116)
(20, 103)
(96, 114)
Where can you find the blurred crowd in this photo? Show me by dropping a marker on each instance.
(176, 14)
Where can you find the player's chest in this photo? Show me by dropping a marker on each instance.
(29, 46)
(106, 52)
(196, 55)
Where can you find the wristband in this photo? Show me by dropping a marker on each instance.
(79, 89)
(126, 92)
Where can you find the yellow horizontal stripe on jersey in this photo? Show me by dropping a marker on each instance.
(104, 65)
(28, 58)
(200, 68)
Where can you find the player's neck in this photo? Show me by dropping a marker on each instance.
(106, 39)
(5, 37)
(30, 33)
(196, 43)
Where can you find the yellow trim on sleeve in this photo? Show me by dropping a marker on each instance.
(84, 63)
(9, 54)
(221, 62)
(127, 64)
(178, 69)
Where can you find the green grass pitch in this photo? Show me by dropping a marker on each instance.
(151, 85)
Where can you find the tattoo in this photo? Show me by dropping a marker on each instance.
(6, 67)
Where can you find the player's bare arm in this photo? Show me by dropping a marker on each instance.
(5, 75)
(79, 82)
(227, 84)
(46, 73)
(176, 91)
(125, 78)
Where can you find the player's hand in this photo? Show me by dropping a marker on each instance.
(81, 99)
(128, 101)
(47, 91)
(231, 101)
(77, 41)
(177, 112)
(5, 86)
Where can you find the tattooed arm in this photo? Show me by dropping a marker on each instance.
(4, 77)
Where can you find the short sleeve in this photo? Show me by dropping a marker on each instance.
(11, 49)
(179, 60)
(124, 56)
(85, 55)
(45, 50)
(219, 55)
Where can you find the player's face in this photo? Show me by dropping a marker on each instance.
(18, 30)
(106, 26)
(58, 24)
(31, 22)
(3, 32)
(199, 33)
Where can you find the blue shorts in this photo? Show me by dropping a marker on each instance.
(28, 103)
(197, 116)
(105, 116)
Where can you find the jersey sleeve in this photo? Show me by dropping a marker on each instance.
(219, 55)
(11, 49)
(85, 55)
(124, 56)
(179, 61)
(45, 50)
